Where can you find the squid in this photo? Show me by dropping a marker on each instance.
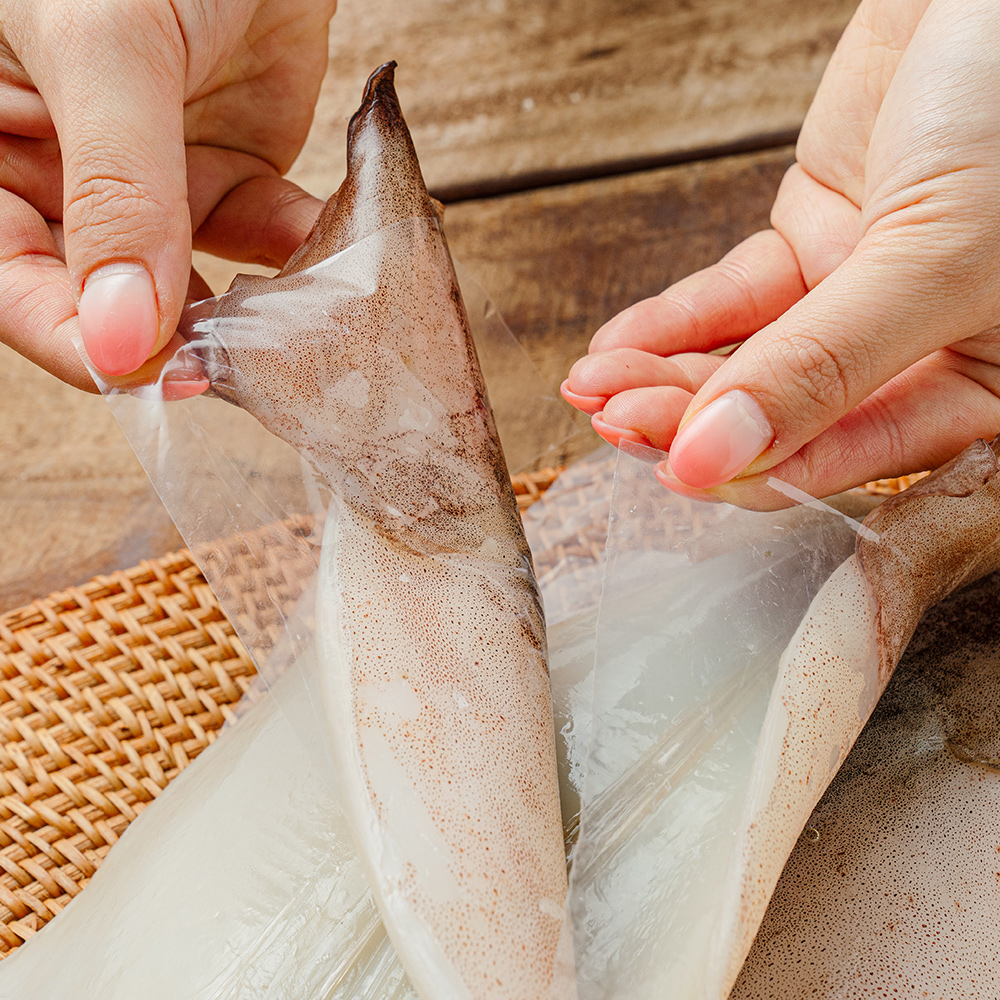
(430, 631)
(726, 702)
(916, 806)
(893, 884)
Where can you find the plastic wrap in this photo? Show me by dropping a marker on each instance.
(243, 880)
(739, 655)
(353, 515)
(699, 602)
(348, 427)
(892, 888)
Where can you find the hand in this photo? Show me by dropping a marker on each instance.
(127, 127)
(869, 314)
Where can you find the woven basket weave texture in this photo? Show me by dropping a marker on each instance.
(107, 692)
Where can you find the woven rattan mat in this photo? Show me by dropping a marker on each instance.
(107, 691)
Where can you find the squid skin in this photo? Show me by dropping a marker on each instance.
(429, 624)
(919, 547)
(893, 888)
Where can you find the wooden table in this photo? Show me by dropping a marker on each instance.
(590, 152)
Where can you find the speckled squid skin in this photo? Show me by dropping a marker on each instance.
(937, 536)
(892, 891)
(923, 544)
(429, 625)
(408, 335)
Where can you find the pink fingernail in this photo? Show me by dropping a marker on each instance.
(720, 441)
(588, 404)
(118, 318)
(183, 384)
(666, 477)
(615, 435)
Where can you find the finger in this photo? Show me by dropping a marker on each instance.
(870, 320)
(37, 312)
(22, 110)
(585, 404)
(821, 226)
(242, 210)
(718, 306)
(112, 76)
(916, 422)
(833, 144)
(648, 416)
(597, 378)
(32, 170)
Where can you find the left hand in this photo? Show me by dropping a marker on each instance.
(129, 131)
(867, 317)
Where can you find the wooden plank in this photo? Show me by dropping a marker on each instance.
(503, 95)
(74, 501)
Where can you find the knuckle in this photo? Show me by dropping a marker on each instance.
(103, 195)
(895, 446)
(737, 272)
(818, 372)
(116, 206)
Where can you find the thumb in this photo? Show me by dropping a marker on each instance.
(875, 316)
(112, 75)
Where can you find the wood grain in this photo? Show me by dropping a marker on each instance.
(74, 501)
(505, 95)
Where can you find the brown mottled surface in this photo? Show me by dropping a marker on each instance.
(382, 391)
(922, 545)
(940, 534)
(369, 197)
(893, 889)
(432, 651)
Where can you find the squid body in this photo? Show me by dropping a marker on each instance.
(430, 631)
(725, 703)
(899, 813)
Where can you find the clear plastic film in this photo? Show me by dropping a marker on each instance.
(345, 490)
(294, 541)
(700, 600)
(738, 656)
(244, 881)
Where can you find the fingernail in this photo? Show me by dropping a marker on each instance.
(177, 388)
(588, 404)
(720, 441)
(666, 477)
(118, 319)
(615, 435)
